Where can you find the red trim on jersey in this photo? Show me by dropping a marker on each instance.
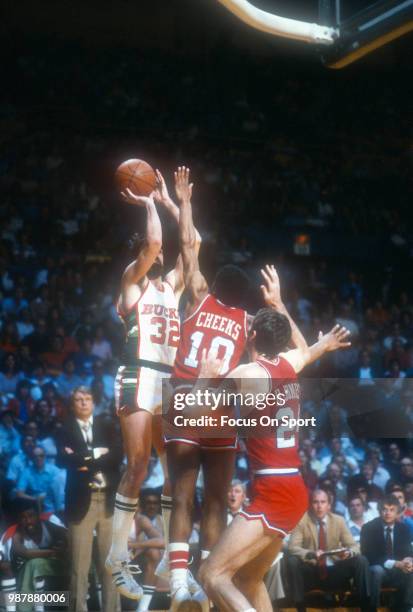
(261, 517)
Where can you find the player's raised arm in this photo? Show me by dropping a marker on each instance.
(161, 195)
(271, 292)
(195, 282)
(136, 271)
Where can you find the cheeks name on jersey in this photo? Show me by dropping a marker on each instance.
(209, 320)
(160, 311)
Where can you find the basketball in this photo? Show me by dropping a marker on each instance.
(136, 175)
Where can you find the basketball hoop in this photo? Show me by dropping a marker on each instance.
(281, 26)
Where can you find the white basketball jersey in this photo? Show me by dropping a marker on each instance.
(152, 326)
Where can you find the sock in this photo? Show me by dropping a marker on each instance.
(166, 506)
(250, 610)
(125, 508)
(8, 585)
(144, 602)
(39, 584)
(205, 554)
(178, 563)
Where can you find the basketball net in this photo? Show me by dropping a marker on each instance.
(281, 26)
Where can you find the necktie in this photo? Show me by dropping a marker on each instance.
(322, 545)
(87, 433)
(389, 544)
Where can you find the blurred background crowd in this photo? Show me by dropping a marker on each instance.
(290, 166)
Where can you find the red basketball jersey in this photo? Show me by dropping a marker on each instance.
(280, 449)
(212, 325)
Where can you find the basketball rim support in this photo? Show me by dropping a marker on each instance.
(364, 31)
(341, 42)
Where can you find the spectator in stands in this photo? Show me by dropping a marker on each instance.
(311, 453)
(90, 448)
(54, 358)
(310, 477)
(22, 460)
(23, 404)
(365, 371)
(9, 338)
(236, 499)
(370, 507)
(103, 405)
(380, 474)
(68, 379)
(24, 324)
(101, 347)
(39, 553)
(356, 519)
(336, 449)
(395, 336)
(84, 359)
(406, 470)
(10, 374)
(392, 463)
(38, 340)
(385, 542)
(36, 482)
(334, 473)
(9, 436)
(107, 379)
(406, 513)
(308, 565)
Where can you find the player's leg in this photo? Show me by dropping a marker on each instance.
(241, 542)
(250, 578)
(152, 557)
(218, 468)
(137, 439)
(166, 499)
(183, 465)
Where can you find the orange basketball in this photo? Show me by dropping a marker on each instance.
(136, 175)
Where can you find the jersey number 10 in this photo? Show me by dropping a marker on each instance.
(192, 360)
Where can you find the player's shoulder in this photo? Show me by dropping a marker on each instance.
(247, 370)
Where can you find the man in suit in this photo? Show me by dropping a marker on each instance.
(307, 564)
(91, 450)
(385, 541)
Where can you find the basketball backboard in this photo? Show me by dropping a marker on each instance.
(346, 29)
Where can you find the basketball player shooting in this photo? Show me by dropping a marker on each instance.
(233, 573)
(148, 305)
(213, 318)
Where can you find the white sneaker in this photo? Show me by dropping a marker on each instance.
(122, 575)
(193, 585)
(162, 569)
(181, 601)
(202, 598)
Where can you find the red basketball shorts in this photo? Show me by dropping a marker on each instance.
(199, 433)
(278, 501)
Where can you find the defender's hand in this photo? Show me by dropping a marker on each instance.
(336, 339)
(183, 187)
(271, 290)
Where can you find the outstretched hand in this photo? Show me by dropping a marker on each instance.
(161, 193)
(271, 290)
(183, 187)
(335, 339)
(137, 200)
